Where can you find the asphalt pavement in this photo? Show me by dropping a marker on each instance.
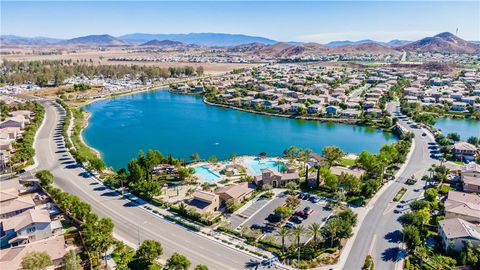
(380, 233)
(132, 223)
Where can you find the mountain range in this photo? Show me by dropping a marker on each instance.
(257, 45)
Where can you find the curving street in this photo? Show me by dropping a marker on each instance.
(132, 223)
(380, 233)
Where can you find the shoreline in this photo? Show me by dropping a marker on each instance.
(309, 118)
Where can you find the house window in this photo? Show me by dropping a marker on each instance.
(31, 229)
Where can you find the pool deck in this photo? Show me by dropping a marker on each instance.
(244, 161)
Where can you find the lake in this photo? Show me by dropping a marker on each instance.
(181, 125)
(465, 127)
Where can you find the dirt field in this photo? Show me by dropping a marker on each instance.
(102, 56)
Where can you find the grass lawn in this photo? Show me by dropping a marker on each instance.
(347, 162)
(400, 194)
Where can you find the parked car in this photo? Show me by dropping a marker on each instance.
(424, 134)
(296, 219)
(274, 218)
(314, 199)
(307, 210)
(300, 195)
(289, 225)
(301, 214)
(256, 227)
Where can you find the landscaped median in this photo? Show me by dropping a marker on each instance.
(79, 150)
(400, 194)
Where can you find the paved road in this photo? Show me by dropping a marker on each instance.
(132, 223)
(380, 232)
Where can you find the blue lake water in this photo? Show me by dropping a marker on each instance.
(465, 127)
(181, 125)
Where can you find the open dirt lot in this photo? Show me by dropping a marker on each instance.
(101, 57)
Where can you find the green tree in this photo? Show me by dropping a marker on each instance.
(454, 137)
(283, 211)
(45, 177)
(71, 261)
(411, 237)
(297, 233)
(123, 255)
(36, 261)
(149, 251)
(468, 256)
(332, 154)
(201, 267)
(213, 159)
(178, 262)
(473, 140)
(332, 227)
(330, 180)
(349, 183)
(283, 233)
(315, 230)
(195, 157)
(431, 194)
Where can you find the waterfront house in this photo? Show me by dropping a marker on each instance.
(276, 179)
(464, 151)
(314, 109)
(55, 247)
(12, 204)
(374, 112)
(29, 226)
(458, 106)
(204, 202)
(332, 110)
(462, 205)
(240, 192)
(351, 113)
(455, 231)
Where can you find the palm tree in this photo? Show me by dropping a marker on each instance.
(332, 228)
(283, 232)
(315, 229)
(278, 163)
(297, 233)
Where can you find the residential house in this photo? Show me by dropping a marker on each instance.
(276, 179)
(55, 247)
(13, 122)
(238, 192)
(351, 113)
(464, 151)
(463, 205)
(12, 204)
(29, 226)
(454, 231)
(204, 202)
(458, 106)
(470, 177)
(332, 110)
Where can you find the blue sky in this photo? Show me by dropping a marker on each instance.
(316, 21)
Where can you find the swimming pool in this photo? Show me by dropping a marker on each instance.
(204, 173)
(256, 166)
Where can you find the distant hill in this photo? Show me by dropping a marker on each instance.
(285, 50)
(103, 40)
(397, 42)
(12, 40)
(204, 39)
(162, 43)
(348, 42)
(443, 42)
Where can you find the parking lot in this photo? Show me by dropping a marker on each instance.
(319, 215)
